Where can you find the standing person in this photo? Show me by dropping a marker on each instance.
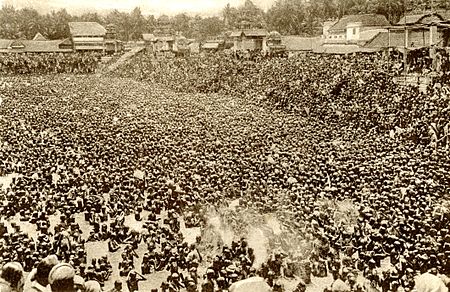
(133, 280)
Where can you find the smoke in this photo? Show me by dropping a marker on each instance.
(263, 232)
(260, 244)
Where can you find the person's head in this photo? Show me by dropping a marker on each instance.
(92, 286)
(43, 269)
(12, 273)
(78, 283)
(118, 285)
(61, 278)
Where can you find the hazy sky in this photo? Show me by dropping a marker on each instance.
(157, 7)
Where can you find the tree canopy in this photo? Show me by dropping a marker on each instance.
(297, 17)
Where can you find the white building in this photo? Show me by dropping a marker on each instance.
(354, 29)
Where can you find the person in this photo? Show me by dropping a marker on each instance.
(92, 286)
(117, 286)
(39, 276)
(12, 277)
(428, 282)
(61, 278)
(78, 283)
(133, 280)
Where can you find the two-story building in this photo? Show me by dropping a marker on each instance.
(87, 36)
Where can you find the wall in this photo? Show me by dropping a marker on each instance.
(352, 31)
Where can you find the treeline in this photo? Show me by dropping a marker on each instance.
(297, 17)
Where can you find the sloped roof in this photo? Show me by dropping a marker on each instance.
(343, 49)
(419, 18)
(39, 37)
(249, 33)
(368, 35)
(236, 33)
(297, 43)
(43, 46)
(365, 19)
(32, 46)
(274, 35)
(397, 39)
(86, 28)
(148, 37)
(18, 44)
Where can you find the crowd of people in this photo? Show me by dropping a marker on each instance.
(161, 151)
(355, 90)
(48, 63)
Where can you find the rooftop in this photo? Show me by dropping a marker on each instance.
(86, 29)
(424, 18)
(364, 19)
(249, 33)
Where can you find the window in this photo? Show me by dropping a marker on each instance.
(354, 31)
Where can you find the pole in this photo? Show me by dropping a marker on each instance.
(405, 54)
(389, 39)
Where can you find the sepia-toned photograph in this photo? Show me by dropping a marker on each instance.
(224, 145)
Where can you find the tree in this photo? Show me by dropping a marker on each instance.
(150, 23)
(136, 24)
(286, 17)
(180, 23)
(252, 14)
(122, 21)
(56, 24)
(210, 26)
(9, 26)
(91, 17)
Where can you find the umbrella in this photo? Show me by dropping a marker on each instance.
(254, 284)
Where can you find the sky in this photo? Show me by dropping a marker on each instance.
(155, 7)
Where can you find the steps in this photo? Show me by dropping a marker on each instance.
(122, 60)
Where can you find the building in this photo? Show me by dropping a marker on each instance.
(297, 44)
(354, 29)
(213, 46)
(87, 36)
(413, 32)
(275, 44)
(112, 45)
(35, 46)
(249, 40)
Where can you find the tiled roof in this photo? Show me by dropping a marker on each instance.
(31, 46)
(419, 18)
(250, 33)
(365, 19)
(86, 29)
(397, 39)
(343, 49)
(297, 43)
